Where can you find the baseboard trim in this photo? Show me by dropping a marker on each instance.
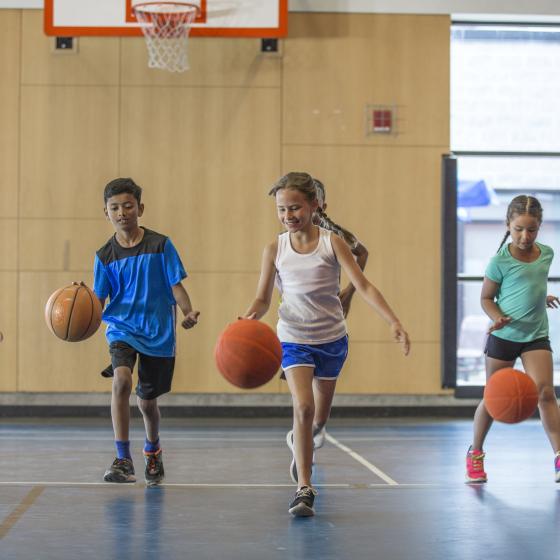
(240, 405)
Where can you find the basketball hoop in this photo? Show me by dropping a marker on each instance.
(166, 27)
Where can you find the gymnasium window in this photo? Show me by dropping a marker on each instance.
(505, 140)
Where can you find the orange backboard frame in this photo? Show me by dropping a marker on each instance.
(200, 18)
(132, 31)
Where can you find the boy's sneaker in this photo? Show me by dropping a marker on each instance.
(557, 466)
(475, 466)
(122, 470)
(302, 504)
(154, 472)
(319, 438)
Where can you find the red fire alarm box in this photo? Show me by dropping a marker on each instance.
(381, 119)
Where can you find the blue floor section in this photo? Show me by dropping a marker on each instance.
(227, 492)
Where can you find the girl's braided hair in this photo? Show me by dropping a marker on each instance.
(519, 206)
(325, 222)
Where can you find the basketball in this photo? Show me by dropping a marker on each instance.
(73, 313)
(510, 396)
(248, 353)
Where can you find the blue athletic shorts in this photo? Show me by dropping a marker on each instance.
(327, 359)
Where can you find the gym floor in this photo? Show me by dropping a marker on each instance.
(388, 489)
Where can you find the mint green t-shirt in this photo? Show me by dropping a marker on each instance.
(522, 293)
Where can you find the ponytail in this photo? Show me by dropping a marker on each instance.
(503, 241)
(326, 223)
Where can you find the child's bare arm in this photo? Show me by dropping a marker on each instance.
(369, 292)
(346, 294)
(184, 302)
(261, 303)
(490, 307)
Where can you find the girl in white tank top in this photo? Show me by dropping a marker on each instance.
(306, 263)
(310, 311)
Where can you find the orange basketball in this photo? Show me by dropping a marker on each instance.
(510, 396)
(73, 313)
(248, 353)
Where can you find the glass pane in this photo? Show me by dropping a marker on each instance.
(472, 324)
(487, 185)
(504, 88)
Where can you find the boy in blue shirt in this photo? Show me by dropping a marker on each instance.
(140, 272)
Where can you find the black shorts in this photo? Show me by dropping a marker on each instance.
(509, 351)
(154, 372)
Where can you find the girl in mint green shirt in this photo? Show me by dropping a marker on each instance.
(514, 297)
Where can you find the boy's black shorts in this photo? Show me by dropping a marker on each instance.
(509, 351)
(154, 372)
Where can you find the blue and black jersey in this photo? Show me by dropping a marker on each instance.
(138, 280)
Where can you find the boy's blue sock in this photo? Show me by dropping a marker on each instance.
(123, 449)
(151, 447)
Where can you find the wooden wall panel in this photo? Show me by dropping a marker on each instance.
(206, 158)
(47, 364)
(10, 33)
(69, 150)
(336, 64)
(8, 327)
(381, 368)
(96, 61)
(221, 298)
(9, 244)
(206, 146)
(390, 200)
(213, 61)
(62, 245)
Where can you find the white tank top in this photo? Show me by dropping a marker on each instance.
(310, 311)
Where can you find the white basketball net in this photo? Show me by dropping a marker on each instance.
(166, 27)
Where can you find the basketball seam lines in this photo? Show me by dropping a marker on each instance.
(70, 313)
(91, 314)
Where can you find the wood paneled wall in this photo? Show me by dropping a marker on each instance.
(206, 145)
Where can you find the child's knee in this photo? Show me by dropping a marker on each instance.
(546, 394)
(304, 411)
(147, 407)
(122, 382)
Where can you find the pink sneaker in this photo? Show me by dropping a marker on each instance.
(475, 465)
(557, 466)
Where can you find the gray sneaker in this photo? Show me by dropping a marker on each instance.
(319, 438)
(302, 504)
(154, 473)
(122, 470)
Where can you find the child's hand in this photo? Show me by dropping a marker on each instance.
(552, 301)
(401, 336)
(499, 323)
(190, 320)
(250, 316)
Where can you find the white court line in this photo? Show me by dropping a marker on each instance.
(362, 461)
(248, 438)
(205, 485)
(166, 484)
(109, 437)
